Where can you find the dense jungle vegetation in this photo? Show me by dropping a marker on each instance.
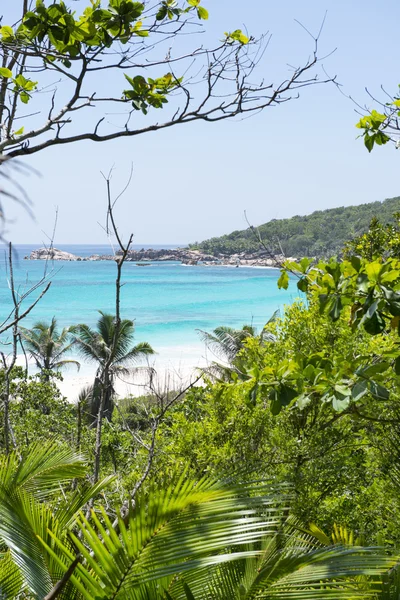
(321, 234)
(278, 477)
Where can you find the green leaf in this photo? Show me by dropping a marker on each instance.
(393, 299)
(188, 592)
(283, 281)
(356, 263)
(359, 389)
(340, 403)
(362, 283)
(372, 309)
(378, 391)
(369, 141)
(371, 370)
(305, 263)
(373, 271)
(323, 300)
(162, 13)
(286, 394)
(342, 390)
(374, 325)
(302, 284)
(4, 72)
(397, 366)
(6, 33)
(237, 36)
(24, 97)
(336, 309)
(309, 373)
(202, 13)
(275, 405)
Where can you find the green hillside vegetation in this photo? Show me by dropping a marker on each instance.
(321, 234)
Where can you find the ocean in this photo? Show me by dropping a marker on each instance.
(169, 302)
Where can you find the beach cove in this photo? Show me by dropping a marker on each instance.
(168, 301)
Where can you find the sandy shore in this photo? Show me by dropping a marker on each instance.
(162, 377)
(172, 368)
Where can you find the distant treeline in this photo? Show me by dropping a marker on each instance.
(323, 233)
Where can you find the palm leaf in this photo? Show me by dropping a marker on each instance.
(25, 521)
(290, 572)
(135, 354)
(66, 362)
(185, 527)
(11, 580)
(43, 469)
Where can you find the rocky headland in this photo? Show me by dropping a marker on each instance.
(182, 255)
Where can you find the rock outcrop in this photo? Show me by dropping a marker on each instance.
(51, 254)
(184, 256)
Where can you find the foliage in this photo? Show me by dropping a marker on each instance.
(379, 241)
(367, 292)
(381, 127)
(297, 422)
(321, 234)
(373, 128)
(30, 506)
(128, 43)
(56, 36)
(48, 346)
(225, 343)
(188, 539)
(39, 411)
(98, 346)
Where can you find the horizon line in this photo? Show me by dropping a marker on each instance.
(99, 243)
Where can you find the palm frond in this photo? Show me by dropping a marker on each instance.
(21, 521)
(11, 580)
(106, 326)
(46, 345)
(67, 511)
(88, 342)
(184, 527)
(135, 354)
(43, 469)
(289, 572)
(25, 519)
(66, 362)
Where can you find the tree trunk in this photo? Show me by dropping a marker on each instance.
(105, 385)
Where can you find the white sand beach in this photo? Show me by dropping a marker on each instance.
(162, 376)
(172, 368)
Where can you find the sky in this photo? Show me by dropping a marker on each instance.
(195, 181)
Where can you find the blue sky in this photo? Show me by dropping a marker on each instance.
(195, 181)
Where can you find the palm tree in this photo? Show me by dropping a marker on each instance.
(110, 351)
(226, 342)
(187, 540)
(47, 346)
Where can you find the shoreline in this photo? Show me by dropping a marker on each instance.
(140, 383)
(145, 258)
(168, 373)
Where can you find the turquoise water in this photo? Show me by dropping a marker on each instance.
(168, 301)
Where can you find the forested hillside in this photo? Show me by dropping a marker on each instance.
(323, 233)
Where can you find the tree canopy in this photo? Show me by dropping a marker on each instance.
(323, 233)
